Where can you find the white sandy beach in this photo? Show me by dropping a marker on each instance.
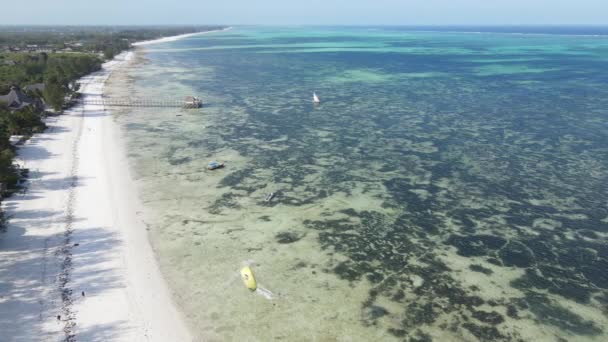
(174, 38)
(76, 228)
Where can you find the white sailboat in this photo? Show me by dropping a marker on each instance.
(315, 98)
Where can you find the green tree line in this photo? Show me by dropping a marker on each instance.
(106, 40)
(58, 71)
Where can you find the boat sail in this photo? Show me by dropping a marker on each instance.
(315, 98)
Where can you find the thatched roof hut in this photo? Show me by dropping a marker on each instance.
(16, 99)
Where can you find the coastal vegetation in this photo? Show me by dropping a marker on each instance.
(41, 67)
(57, 71)
(56, 75)
(105, 40)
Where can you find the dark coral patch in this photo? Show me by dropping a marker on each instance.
(480, 269)
(492, 317)
(596, 272)
(347, 270)
(288, 237)
(517, 254)
(421, 314)
(483, 333)
(421, 337)
(547, 311)
(373, 312)
(475, 245)
(512, 311)
(559, 281)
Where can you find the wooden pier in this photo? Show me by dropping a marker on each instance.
(188, 102)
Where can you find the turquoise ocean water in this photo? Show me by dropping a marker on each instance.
(449, 186)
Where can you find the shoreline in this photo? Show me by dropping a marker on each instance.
(174, 38)
(76, 263)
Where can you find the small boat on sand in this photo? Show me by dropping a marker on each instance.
(269, 197)
(315, 98)
(214, 165)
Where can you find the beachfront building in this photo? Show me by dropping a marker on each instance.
(16, 100)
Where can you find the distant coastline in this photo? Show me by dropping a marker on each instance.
(174, 38)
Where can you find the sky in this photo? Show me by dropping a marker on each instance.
(313, 12)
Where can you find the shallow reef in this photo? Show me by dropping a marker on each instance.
(465, 203)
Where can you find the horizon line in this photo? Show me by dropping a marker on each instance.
(314, 25)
